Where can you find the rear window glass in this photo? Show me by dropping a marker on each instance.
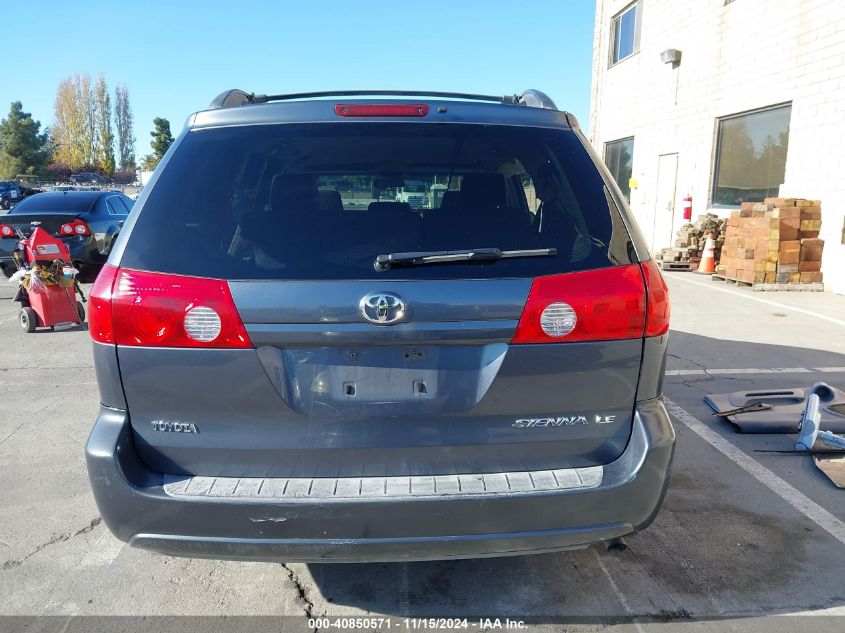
(70, 203)
(322, 201)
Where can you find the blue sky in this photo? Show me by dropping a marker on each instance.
(176, 56)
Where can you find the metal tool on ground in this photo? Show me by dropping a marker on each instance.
(756, 406)
(804, 453)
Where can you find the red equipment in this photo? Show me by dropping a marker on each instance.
(687, 205)
(48, 297)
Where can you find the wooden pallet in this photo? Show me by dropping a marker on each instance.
(792, 287)
(683, 266)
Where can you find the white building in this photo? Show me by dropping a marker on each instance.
(724, 100)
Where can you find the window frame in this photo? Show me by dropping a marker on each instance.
(604, 158)
(717, 148)
(111, 205)
(614, 31)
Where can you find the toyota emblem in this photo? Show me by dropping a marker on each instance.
(382, 308)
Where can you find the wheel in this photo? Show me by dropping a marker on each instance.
(6, 204)
(28, 320)
(80, 311)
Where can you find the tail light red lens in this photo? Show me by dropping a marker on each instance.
(6, 231)
(77, 227)
(381, 109)
(608, 304)
(160, 310)
(100, 323)
(657, 311)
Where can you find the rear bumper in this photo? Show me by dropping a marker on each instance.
(140, 508)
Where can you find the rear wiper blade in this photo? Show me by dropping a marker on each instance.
(385, 262)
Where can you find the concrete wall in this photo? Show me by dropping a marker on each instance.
(744, 55)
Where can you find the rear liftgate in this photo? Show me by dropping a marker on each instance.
(361, 378)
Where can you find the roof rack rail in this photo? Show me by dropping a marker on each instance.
(234, 98)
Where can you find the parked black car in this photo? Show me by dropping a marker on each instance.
(88, 178)
(88, 221)
(10, 194)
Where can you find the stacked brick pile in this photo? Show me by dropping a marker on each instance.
(691, 239)
(775, 241)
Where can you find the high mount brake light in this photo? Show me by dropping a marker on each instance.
(593, 305)
(161, 310)
(77, 227)
(381, 110)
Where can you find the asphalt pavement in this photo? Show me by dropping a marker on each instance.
(742, 535)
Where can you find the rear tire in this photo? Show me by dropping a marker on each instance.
(80, 311)
(87, 272)
(28, 320)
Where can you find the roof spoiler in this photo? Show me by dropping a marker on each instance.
(234, 98)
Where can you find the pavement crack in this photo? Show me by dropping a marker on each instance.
(11, 564)
(301, 594)
(34, 413)
(708, 377)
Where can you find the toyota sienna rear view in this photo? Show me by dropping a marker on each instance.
(376, 326)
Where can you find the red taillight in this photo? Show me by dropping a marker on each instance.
(77, 227)
(593, 305)
(160, 310)
(130, 307)
(6, 231)
(381, 109)
(100, 323)
(657, 302)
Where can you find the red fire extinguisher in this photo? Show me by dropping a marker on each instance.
(687, 204)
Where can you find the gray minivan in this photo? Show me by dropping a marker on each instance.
(297, 364)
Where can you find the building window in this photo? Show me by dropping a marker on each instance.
(626, 34)
(751, 155)
(618, 156)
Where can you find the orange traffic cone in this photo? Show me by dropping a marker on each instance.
(708, 257)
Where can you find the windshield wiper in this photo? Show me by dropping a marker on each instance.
(385, 262)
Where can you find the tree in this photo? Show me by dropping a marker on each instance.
(104, 135)
(74, 126)
(22, 146)
(123, 125)
(149, 162)
(162, 138)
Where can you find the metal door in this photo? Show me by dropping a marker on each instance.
(664, 202)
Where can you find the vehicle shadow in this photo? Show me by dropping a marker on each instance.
(722, 543)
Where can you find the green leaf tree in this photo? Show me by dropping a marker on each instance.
(74, 123)
(123, 120)
(162, 138)
(105, 136)
(23, 148)
(149, 162)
